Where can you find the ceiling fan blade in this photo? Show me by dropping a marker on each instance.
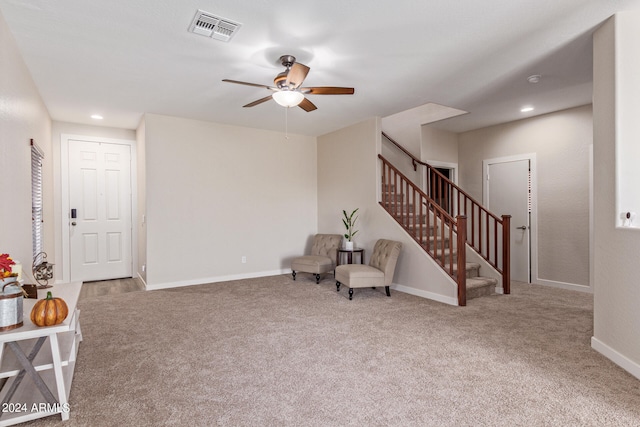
(327, 90)
(249, 84)
(296, 75)
(307, 105)
(259, 101)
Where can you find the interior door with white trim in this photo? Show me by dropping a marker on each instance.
(100, 210)
(508, 193)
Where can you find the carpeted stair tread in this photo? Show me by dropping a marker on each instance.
(478, 282)
(480, 286)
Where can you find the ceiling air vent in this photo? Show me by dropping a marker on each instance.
(209, 25)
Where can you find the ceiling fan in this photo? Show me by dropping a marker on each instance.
(288, 91)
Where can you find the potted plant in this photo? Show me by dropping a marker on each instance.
(349, 222)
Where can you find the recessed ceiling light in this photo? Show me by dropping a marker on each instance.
(97, 117)
(526, 109)
(534, 78)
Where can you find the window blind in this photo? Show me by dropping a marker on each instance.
(37, 218)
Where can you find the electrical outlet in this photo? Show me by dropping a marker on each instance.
(244, 259)
(144, 267)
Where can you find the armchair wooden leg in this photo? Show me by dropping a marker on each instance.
(387, 289)
(293, 273)
(350, 293)
(337, 286)
(317, 279)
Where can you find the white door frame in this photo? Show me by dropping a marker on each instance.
(64, 198)
(533, 231)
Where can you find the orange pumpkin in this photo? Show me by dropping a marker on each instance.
(49, 311)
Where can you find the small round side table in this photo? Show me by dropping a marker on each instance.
(349, 253)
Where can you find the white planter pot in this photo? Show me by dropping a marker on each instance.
(348, 245)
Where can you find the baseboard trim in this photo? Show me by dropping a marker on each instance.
(215, 279)
(616, 357)
(564, 285)
(425, 294)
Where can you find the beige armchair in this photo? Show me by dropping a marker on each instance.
(322, 258)
(379, 272)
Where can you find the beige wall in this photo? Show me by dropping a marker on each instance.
(401, 161)
(562, 143)
(23, 116)
(215, 193)
(141, 268)
(57, 130)
(617, 294)
(345, 183)
(439, 145)
(627, 109)
(404, 129)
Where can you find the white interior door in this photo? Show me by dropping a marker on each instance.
(100, 210)
(507, 193)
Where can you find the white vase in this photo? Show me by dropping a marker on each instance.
(348, 245)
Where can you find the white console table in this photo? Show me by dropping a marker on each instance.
(37, 378)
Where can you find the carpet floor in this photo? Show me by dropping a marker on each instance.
(274, 352)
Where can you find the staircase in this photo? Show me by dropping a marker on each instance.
(442, 235)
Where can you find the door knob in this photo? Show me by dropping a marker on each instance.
(522, 227)
(73, 223)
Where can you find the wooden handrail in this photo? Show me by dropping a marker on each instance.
(414, 159)
(416, 162)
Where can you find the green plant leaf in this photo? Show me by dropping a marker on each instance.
(349, 222)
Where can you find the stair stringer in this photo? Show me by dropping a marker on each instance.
(427, 278)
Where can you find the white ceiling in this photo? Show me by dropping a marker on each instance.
(123, 58)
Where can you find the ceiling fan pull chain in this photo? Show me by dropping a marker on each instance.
(286, 123)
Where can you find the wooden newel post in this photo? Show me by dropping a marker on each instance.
(506, 253)
(462, 259)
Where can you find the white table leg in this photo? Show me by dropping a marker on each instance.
(57, 369)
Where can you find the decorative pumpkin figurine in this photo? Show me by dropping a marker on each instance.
(49, 311)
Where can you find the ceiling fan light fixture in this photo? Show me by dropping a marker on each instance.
(288, 98)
